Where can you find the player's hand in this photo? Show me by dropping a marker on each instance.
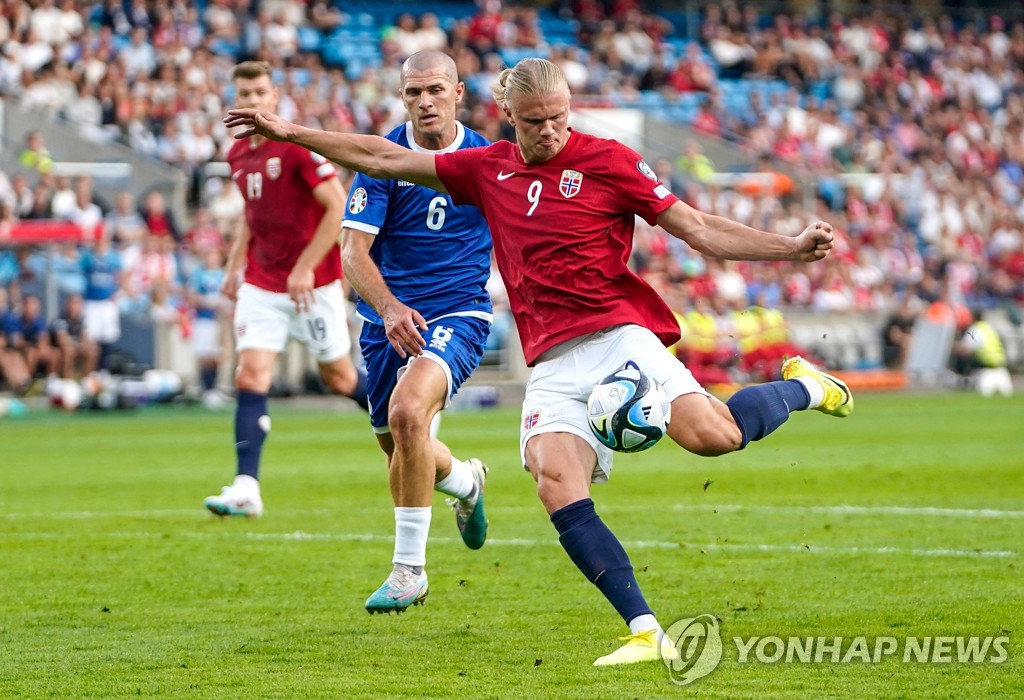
(300, 289)
(814, 242)
(229, 288)
(404, 327)
(253, 122)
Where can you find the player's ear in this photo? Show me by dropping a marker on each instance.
(460, 91)
(508, 115)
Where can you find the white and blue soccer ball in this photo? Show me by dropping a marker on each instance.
(628, 411)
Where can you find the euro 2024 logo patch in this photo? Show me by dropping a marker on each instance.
(698, 641)
(358, 201)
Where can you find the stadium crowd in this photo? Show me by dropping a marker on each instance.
(906, 135)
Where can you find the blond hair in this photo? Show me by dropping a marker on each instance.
(531, 76)
(249, 70)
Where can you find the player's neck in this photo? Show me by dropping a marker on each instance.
(436, 143)
(255, 141)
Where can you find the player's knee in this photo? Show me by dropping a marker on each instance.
(407, 420)
(340, 384)
(339, 377)
(249, 379)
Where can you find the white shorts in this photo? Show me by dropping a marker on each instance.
(206, 338)
(102, 320)
(265, 320)
(557, 393)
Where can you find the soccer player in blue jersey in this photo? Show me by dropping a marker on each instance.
(102, 267)
(203, 288)
(420, 264)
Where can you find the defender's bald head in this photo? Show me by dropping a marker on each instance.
(432, 60)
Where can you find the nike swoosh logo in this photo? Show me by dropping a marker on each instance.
(503, 176)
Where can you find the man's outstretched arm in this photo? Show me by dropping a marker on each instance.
(372, 155)
(720, 237)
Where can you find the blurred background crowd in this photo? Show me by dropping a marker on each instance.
(905, 132)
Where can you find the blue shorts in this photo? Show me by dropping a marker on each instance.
(456, 343)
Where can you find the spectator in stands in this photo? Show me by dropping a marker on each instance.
(12, 363)
(35, 156)
(898, 330)
(403, 36)
(138, 58)
(62, 201)
(76, 353)
(430, 36)
(28, 336)
(159, 219)
(124, 224)
(733, 53)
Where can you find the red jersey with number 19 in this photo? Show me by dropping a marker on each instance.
(563, 232)
(277, 181)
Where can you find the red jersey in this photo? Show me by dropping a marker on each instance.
(277, 182)
(563, 232)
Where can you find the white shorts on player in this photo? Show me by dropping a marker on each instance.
(102, 320)
(562, 379)
(266, 320)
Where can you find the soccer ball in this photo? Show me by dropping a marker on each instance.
(628, 411)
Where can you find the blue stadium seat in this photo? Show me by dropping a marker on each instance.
(310, 38)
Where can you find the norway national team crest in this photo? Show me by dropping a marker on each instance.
(358, 201)
(273, 168)
(531, 419)
(572, 181)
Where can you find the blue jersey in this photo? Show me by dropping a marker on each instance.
(206, 284)
(101, 274)
(434, 256)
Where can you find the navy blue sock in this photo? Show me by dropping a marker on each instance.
(249, 435)
(760, 409)
(600, 556)
(359, 393)
(208, 376)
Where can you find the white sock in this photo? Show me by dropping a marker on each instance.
(246, 483)
(814, 388)
(642, 623)
(411, 528)
(435, 425)
(459, 482)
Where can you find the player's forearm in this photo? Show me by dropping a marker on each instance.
(364, 276)
(353, 151)
(239, 249)
(724, 238)
(732, 240)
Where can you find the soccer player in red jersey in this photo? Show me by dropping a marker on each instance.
(288, 250)
(561, 207)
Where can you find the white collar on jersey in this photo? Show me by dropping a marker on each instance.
(460, 135)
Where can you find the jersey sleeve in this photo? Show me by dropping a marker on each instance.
(459, 172)
(367, 206)
(641, 192)
(313, 168)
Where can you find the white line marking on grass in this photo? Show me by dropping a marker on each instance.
(525, 542)
(857, 510)
(721, 508)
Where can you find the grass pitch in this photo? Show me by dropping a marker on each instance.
(905, 520)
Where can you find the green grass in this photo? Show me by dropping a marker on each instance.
(114, 582)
